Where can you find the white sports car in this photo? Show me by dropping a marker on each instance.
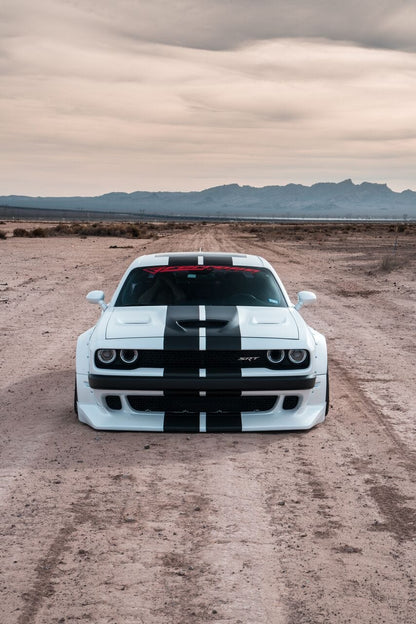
(201, 342)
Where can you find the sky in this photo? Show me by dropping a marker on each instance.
(124, 95)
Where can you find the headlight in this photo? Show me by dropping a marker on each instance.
(275, 357)
(297, 356)
(106, 356)
(128, 356)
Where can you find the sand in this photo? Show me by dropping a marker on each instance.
(150, 528)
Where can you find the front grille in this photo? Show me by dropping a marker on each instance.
(202, 359)
(155, 358)
(195, 403)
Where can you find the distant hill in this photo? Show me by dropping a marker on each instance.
(325, 200)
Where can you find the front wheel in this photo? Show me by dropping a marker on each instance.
(327, 394)
(76, 398)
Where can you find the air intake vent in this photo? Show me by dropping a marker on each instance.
(196, 324)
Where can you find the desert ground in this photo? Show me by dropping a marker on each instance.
(285, 528)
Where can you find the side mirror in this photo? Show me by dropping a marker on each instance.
(97, 296)
(305, 297)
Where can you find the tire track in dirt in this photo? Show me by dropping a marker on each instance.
(43, 586)
(245, 587)
(203, 237)
(365, 415)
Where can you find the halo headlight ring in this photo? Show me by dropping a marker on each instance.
(129, 356)
(275, 356)
(297, 356)
(106, 356)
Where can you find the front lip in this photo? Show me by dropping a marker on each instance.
(183, 382)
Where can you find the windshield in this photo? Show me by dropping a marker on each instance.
(200, 285)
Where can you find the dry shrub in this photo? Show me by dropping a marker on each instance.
(123, 230)
(39, 232)
(21, 232)
(2, 235)
(390, 263)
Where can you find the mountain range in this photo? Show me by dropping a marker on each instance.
(322, 200)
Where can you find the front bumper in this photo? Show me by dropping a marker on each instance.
(94, 390)
(203, 384)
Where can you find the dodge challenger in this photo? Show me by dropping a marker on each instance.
(201, 342)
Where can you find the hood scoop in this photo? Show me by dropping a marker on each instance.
(138, 318)
(196, 324)
(268, 323)
(267, 318)
(136, 323)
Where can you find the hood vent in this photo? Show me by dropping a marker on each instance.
(196, 324)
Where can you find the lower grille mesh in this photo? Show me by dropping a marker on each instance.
(195, 403)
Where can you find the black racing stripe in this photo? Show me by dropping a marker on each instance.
(181, 423)
(223, 373)
(227, 337)
(177, 373)
(176, 337)
(218, 260)
(226, 423)
(183, 260)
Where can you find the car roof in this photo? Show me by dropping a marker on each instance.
(199, 257)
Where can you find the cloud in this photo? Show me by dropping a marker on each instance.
(184, 94)
(226, 24)
(221, 24)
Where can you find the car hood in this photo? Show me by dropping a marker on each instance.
(249, 321)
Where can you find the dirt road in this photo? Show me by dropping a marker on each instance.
(292, 528)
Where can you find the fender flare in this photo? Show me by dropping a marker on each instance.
(82, 352)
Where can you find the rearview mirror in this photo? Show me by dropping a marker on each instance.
(97, 296)
(305, 297)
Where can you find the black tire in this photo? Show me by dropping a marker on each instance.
(327, 394)
(76, 399)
